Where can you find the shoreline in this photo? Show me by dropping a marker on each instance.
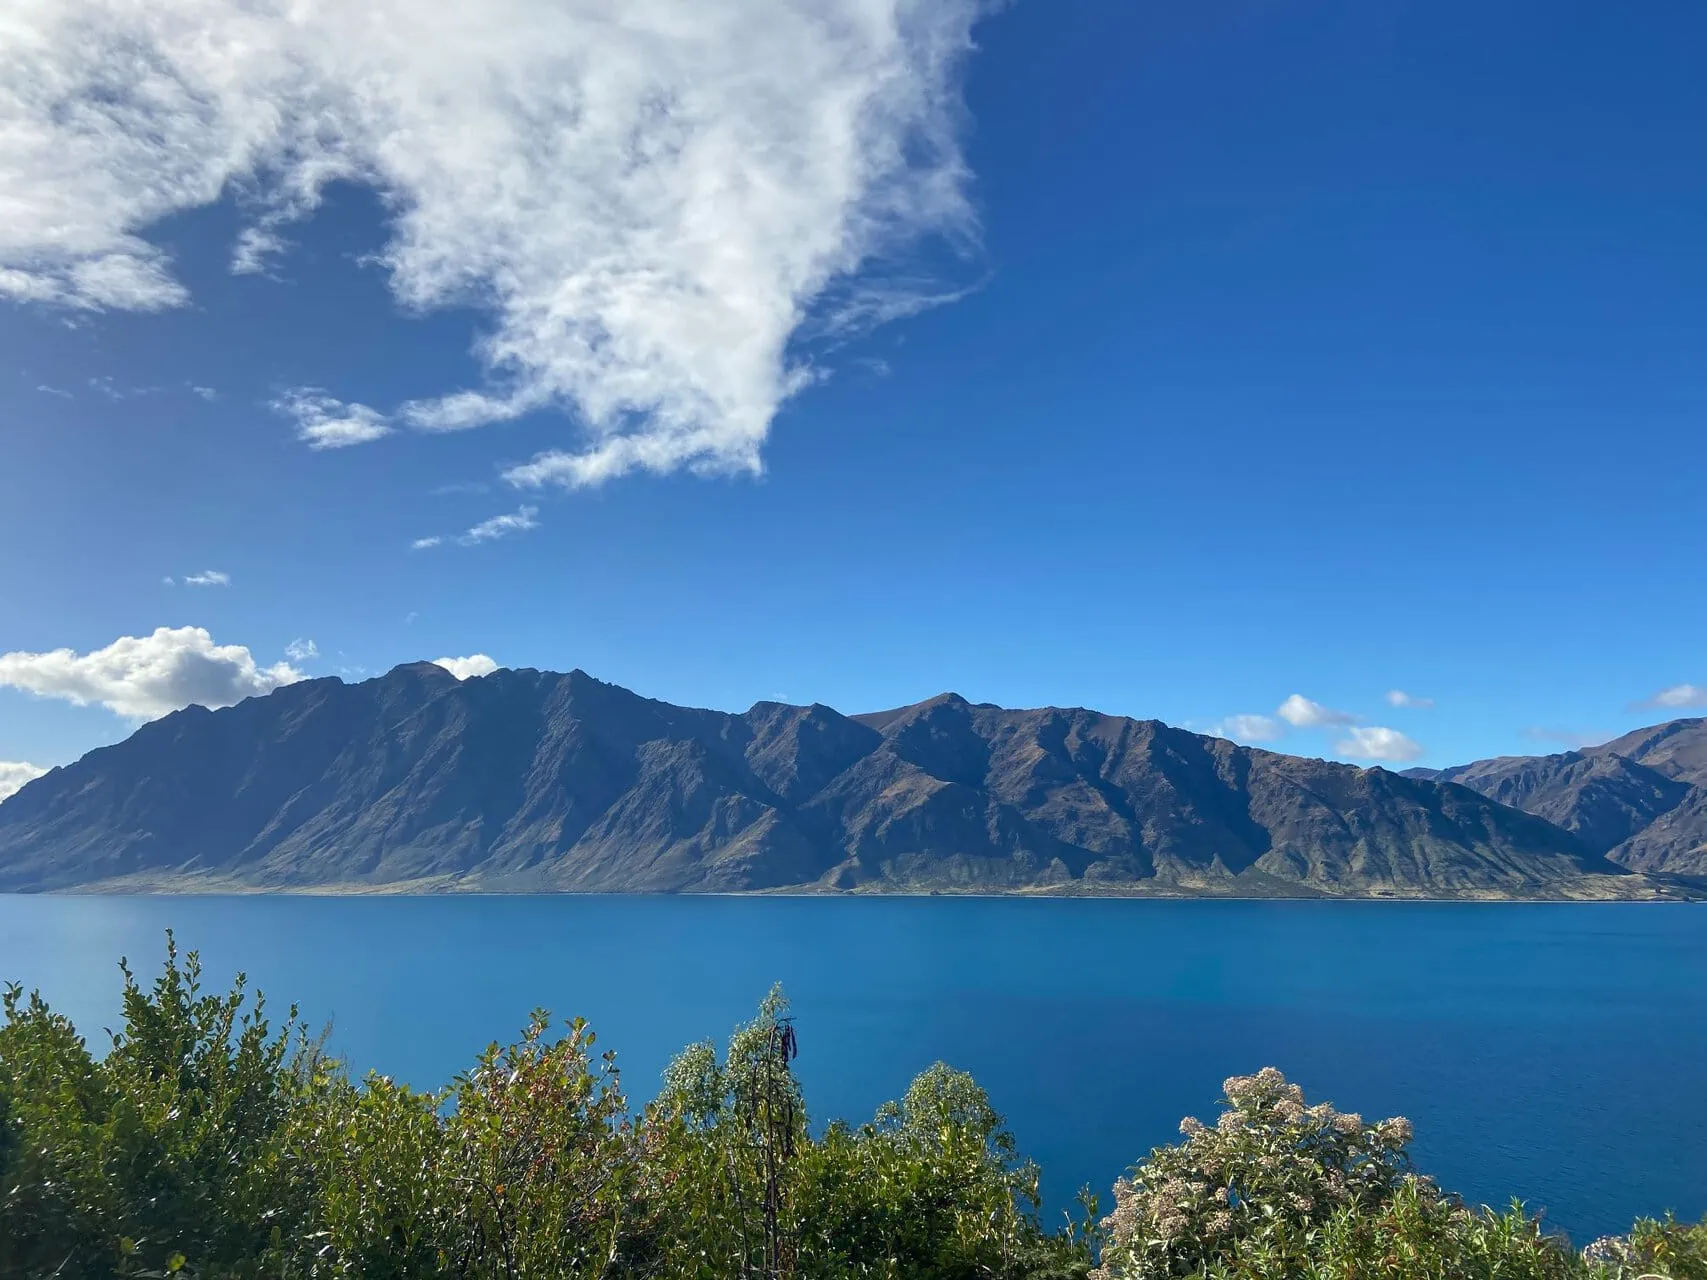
(414, 889)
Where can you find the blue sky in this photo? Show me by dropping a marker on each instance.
(1171, 360)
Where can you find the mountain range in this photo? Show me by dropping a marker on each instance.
(526, 780)
(1641, 800)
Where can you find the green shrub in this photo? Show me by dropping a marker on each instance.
(206, 1143)
(169, 1147)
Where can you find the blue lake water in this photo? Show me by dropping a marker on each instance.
(1554, 1052)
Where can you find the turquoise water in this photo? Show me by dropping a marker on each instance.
(1557, 1052)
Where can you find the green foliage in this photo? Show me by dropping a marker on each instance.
(168, 1148)
(202, 1143)
(1415, 1233)
(206, 1143)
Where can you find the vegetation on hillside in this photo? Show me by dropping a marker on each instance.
(207, 1142)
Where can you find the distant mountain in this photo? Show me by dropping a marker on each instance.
(535, 780)
(1640, 799)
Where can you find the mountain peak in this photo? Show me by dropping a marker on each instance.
(418, 670)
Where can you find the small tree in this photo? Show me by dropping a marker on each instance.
(726, 1134)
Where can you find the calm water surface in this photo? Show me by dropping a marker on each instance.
(1557, 1052)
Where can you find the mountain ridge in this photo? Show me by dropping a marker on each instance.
(532, 780)
(1640, 799)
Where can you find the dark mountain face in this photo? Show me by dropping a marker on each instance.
(1677, 749)
(529, 779)
(1640, 799)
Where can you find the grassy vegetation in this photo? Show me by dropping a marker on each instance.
(205, 1141)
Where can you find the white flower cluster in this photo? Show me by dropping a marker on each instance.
(1270, 1162)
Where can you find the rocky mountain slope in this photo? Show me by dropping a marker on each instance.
(1640, 799)
(536, 780)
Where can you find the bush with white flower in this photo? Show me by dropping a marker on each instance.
(1270, 1168)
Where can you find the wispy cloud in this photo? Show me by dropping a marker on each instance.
(501, 526)
(653, 201)
(1680, 697)
(147, 676)
(475, 664)
(205, 393)
(113, 391)
(1399, 698)
(302, 651)
(53, 391)
(1375, 742)
(1247, 728)
(1302, 713)
(517, 521)
(207, 578)
(1572, 738)
(14, 774)
(324, 422)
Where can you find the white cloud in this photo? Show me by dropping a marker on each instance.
(650, 198)
(326, 423)
(54, 391)
(302, 651)
(475, 664)
(1373, 742)
(206, 393)
(14, 774)
(517, 521)
(207, 578)
(1680, 697)
(1302, 713)
(1399, 698)
(424, 544)
(147, 676)
(1247, 729)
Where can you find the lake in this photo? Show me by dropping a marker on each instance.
(1552, 1051)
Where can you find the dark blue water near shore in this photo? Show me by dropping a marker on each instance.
(1557, 1052)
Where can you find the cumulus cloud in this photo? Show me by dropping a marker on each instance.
(425, 544)
(302, 651)
(1248, 728)
(1373, 742)
(1302, 713)
(1399, 698)
(323, 422)
(517, 521)
(207, 578)
(1680, 697)
(651, 199)
(147, 676)
(14, 774)
(475, 664)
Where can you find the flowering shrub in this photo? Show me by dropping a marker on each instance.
(1668, 1250)
(1269, 1169)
